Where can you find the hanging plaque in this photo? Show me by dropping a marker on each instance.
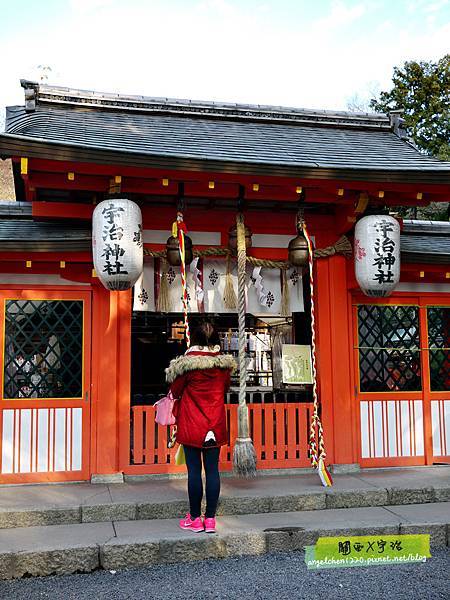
(296, 364)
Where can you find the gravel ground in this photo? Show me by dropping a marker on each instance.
(276, 576)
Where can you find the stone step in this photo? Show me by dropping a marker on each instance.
(83, 503)
(84, 547)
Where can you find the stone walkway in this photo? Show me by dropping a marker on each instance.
(69, 528)
(33, 505)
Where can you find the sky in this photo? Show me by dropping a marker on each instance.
(303, 53)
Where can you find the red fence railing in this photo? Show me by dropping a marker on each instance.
(279, 433)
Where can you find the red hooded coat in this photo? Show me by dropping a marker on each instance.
(200, 380)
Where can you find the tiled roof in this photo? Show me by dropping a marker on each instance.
(17, 235)
(189, 134)
(426, 241)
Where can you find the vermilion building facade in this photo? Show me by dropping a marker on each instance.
(82, 366)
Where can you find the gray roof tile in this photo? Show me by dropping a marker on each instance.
(192, 134)
(228, 140)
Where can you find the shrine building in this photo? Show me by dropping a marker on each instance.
(83, 365)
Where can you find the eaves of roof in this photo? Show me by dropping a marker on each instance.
(20, 145)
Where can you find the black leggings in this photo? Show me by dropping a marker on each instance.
(195, 484)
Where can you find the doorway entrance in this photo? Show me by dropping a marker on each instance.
(45, 385)
(402, 380)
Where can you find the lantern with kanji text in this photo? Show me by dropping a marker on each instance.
(377, 254)
(117, 243)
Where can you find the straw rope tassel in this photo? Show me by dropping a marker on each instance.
(244, 455)
(163, 303)
(317, 454)
(183, 285)
(229, 295)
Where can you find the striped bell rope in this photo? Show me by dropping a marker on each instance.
(181, 228)
(317, 450)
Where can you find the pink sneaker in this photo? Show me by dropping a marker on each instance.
(210, 525)
(195, 525)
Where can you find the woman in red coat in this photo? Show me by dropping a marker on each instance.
(200, 380)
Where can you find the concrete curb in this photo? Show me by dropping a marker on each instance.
(120, 555)
(229, 505)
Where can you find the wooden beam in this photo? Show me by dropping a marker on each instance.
(61, 210)
(59, 181)
(37, 164)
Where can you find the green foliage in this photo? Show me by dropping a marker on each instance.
(422, 90)
(435, 211)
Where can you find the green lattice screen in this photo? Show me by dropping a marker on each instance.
(439, 344)
(43, 349)
(389, 349)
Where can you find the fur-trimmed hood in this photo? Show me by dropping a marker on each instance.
(185, 364)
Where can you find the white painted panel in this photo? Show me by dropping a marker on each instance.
(25, 440)
(419, 427)
(69, 435)
(391, 427)
(29, 279)
(77, 438)
(51, 439)
(16, 442)
(200, 238)
(7, 441)
(363, 407)
(422, 287)
(405, 441)
(42, 441)
(371, 436)
(446, 450)
(34, 414)
(435, 420)
(378, 429)
(269, 240)
(60, 431)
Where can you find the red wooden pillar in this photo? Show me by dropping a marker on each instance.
(334, 348)
(106, 377)
(124, 379)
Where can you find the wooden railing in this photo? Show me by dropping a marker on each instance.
(279, 433)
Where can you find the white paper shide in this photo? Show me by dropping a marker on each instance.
(117, 244)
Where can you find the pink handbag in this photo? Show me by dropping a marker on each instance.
(164, 410)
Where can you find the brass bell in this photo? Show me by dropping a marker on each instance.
(173, 251)
(298, 250)
(232, 238)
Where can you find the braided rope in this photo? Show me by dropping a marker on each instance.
(269, 264)
(342, 246)
(183, 285)
(212, 251)
(315, 453)
(155, 253)
(243, 428)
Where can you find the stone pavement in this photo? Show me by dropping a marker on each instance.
(70, 528)
(32, 505)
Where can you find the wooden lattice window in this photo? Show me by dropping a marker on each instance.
(389, 348)
(438, 318)
(43, 349)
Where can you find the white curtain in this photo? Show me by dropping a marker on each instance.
(144, 288)
(264, 288)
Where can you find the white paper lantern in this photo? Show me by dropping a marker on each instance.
(117, 244)
(377, 254)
